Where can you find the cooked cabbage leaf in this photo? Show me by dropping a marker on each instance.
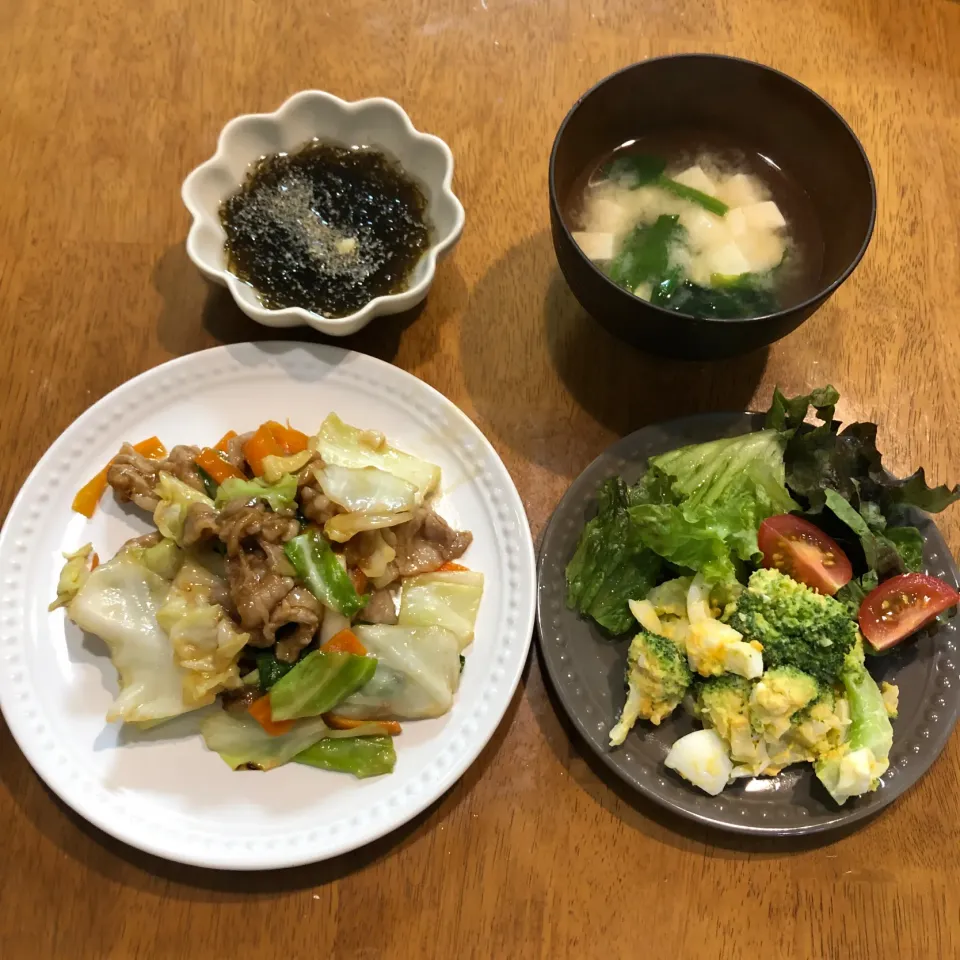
(417, 675)
(119, 603)
(163, 558)
(318, 683)
(281, 495)
(320, 569)
(242, 742)
(274, 467)
(345, 526)
(448, 599)
(366, 489)
(206, 642)
(342, 445)
(361, 756)
(176, 497)
(73, 575)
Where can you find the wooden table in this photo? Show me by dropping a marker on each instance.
(536, 852)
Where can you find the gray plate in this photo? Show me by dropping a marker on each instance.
(587, 672)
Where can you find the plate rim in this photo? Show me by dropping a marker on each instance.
(283, 856)
(844, 816)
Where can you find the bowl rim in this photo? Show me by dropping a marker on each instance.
(295, 316)
(810, 302)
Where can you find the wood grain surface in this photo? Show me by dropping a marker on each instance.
(536, 853)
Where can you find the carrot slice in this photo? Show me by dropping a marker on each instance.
(218, 468)
(293, 440)
(94, 561)
(345, 641)
(451, 567)
(390, 727)
(263, 443)
(151, 448)
(261, 712)
(358, 578)
(224, 440)
(89, 495)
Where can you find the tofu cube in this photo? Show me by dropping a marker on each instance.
(762, 249)
(739, 191)
(606, 215)
(736, 222)
(728, 260)
(596, 246)
(763, 216)
(696, 179)
(704, 229)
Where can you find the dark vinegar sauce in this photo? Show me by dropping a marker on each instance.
(799, 276)
(326, 228)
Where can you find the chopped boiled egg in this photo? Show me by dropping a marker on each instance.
(714, 648)
(646, 616)
(698, 600)
(596, 246)
(701, 757)
(696, 179)
(858, 771)
(891, 698)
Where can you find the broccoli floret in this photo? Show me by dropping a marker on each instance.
(723, 696)
(796, 626)
(657, 679)
(723, 703)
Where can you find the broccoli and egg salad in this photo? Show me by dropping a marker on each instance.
(304, 584)
(746, 613)
(783, 682)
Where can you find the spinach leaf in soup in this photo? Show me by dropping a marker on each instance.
(723, 303)
(645, 253)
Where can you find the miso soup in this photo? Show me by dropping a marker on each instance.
(699, 225)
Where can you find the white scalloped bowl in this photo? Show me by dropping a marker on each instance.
(376, 122)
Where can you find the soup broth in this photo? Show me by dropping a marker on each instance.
(699, 225)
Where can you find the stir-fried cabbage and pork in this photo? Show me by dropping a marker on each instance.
(305, 583)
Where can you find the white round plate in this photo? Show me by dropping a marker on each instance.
(162, 790)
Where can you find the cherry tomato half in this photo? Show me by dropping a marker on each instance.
(796, 547)
(902, 605)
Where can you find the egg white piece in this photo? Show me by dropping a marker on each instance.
(701, 757)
